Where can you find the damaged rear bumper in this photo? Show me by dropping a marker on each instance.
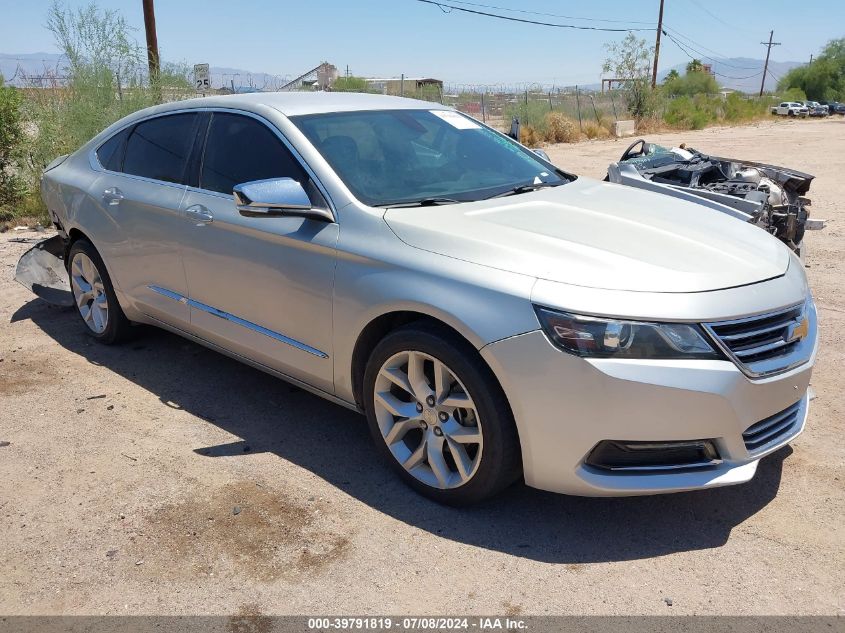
(42, 270)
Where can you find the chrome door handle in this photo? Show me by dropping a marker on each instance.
(199, 214)
(112, 196)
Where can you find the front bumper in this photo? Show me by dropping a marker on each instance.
(564, 405)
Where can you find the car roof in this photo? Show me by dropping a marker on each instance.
(296, 103)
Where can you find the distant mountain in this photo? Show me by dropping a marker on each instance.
(741, 73)
(735, 73)
(15, 66)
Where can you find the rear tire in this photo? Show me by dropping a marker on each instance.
(434, 405)
(94, 296)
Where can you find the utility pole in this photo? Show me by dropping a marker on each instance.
(657, 45)
(768, 46)
(152, 48)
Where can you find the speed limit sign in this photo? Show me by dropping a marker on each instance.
(202, 80)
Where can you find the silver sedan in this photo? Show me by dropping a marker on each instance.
(494, 316)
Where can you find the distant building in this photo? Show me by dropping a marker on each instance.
(319, 78)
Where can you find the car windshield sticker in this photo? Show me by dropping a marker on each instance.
(456, 120)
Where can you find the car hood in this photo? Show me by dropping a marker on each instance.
(600, 235)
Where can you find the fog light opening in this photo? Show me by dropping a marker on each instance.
(641, 457)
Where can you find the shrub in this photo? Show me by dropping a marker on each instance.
(694, 113)
(528, 135)
(13, 188)
(693, 83)
(560, 128)
(104, 70)
(686, 113)
(594, 130)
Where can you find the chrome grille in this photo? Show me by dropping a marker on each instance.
(767, 344)
(772, 429)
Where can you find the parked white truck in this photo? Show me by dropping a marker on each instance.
(791, 108)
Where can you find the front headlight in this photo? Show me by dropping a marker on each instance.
(616, 338)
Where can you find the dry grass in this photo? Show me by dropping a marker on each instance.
(594, 131)
(529, 136)
(560, 128)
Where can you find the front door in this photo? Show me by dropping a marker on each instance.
(258, 286)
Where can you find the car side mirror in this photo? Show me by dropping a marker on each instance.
(276, 197)
(542, 155)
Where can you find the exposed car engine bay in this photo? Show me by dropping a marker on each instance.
(771, 197)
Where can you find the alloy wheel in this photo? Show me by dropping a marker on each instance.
(89, 293)
(428, 419)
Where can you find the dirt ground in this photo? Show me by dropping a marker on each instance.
(162, 478)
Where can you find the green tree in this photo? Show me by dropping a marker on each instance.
(824, 79)
(671, 76)
(630, 61)
(12, 186)
(692, 83)
(105, 79)
(695, 66)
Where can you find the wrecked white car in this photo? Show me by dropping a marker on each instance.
(773, 198)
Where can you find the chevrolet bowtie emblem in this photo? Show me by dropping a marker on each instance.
(800, 330)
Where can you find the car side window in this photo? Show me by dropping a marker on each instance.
(110, 154)
(240, 149)
(159, 148)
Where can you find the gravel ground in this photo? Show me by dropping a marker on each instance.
(162, 478)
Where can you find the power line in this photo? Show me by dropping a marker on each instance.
(717, 18)
(691, 56)
(719, 60)
(443, 6)
(548, 15)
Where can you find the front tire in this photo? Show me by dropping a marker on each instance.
(438, 415)
(94, 296)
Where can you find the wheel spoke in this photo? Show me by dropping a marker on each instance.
(462, 460)
(80, 284)
(443, 380)
(459, 401)
(86, 311)
(83, 298)
(416, 376)
(462, 434)
(398, 378)
(395, 406)
(437, 462)
(400, 429)
(417, 457)
(97, 317)
(88, 270)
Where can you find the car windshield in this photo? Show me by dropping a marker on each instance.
(395, 157)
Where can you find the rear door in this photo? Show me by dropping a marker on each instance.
(141, 191)
(259, 286)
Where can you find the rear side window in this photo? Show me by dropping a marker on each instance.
(240, 149)
(159, 148)
(111, 152)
